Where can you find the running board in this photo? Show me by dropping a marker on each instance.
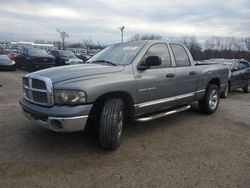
(163, 114)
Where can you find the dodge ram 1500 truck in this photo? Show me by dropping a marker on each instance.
(141, 80)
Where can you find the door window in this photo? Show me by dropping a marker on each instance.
(180, 55)
(160, 50)
(244, 65)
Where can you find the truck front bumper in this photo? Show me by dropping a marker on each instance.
(57, 118)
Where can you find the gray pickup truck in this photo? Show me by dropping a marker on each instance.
(141, 80)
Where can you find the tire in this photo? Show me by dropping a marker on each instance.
(224, 94)
(111, 123)
(247, 88)
(210, 102)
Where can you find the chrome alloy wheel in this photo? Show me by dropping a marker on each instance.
(213, 99)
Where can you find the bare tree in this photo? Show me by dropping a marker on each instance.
(247, 43)
(63, 35)
(238, 44)
(191, 42)
(137, 37)
(87, 43)
(193, 45)
(214, 43)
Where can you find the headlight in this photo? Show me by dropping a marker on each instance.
(69, 97)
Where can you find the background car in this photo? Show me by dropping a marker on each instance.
(239, 75)
(34, 58)
(63, 57)
(6, 63)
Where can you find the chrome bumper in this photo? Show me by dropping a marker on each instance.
(61, 124)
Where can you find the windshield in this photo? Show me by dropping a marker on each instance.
(118, 54)
(37, 52)
(66, 54)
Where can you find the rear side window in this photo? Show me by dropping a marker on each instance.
(160, 50)
(180, 54)
(244, 65)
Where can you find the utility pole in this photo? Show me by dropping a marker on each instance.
(121, 29)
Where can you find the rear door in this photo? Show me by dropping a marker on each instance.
(185, 81)
(155, 85)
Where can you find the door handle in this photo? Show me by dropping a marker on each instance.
(170, 75)
(192, 73)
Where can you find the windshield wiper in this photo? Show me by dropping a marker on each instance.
(104, 62)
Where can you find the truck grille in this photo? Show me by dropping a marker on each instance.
(38, 89)
(39, 84)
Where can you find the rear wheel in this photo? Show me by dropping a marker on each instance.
(247, 88)
(111, 124)
(210, 102)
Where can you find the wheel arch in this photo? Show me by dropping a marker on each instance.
(126, 97)
(215, 81)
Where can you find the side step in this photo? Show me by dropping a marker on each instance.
(163, 114)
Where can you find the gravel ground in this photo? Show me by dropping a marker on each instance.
(188, 149)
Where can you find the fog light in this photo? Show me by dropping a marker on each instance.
(55, 124)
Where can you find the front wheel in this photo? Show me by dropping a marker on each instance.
(111, 124)
(210, 102)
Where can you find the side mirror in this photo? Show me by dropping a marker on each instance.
(150, 61)
(234, 69)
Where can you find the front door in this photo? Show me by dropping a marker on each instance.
(155, 85)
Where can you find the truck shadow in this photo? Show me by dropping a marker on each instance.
(87, 141)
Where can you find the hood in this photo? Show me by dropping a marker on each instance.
(58, 74)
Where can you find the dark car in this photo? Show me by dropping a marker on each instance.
(34, 59)
(239, 75)
(63, 57)
(6, 63)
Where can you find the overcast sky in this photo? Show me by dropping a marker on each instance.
(100, 19)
